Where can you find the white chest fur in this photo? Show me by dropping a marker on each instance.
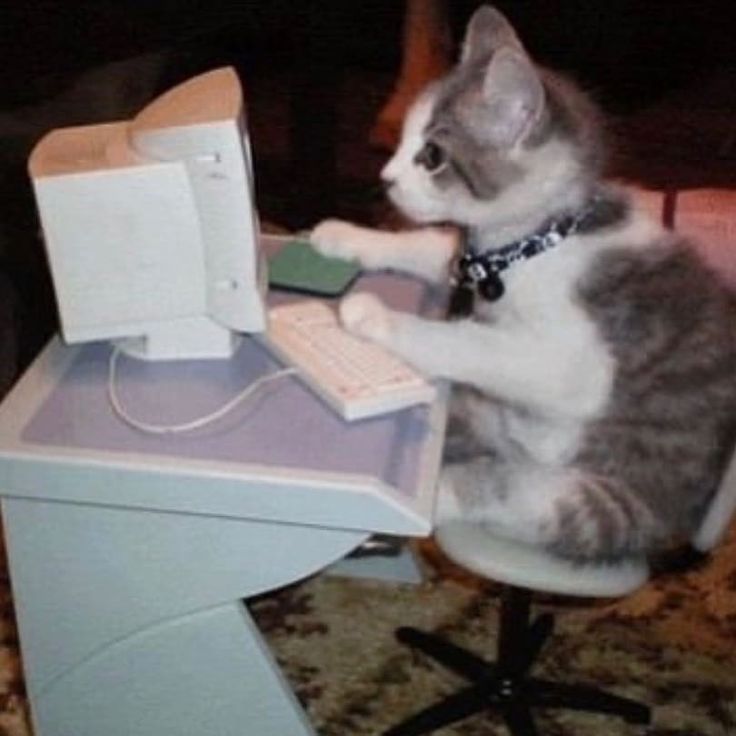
(564, 369)
(567, 367)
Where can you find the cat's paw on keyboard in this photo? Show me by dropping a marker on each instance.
(365, 315)
(356, 377)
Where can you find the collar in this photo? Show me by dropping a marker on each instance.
(480, 271)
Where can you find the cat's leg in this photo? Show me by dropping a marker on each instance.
(465, 438)
(563, 509)
(517, 367)
(426, 253)
(512, 501)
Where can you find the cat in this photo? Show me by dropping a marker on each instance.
(594, 370)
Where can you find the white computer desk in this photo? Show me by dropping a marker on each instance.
(130, 555)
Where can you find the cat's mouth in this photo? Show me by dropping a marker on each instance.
(420, 211)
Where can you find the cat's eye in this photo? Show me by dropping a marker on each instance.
(432, 157)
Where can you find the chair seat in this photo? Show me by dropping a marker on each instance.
(502, 560)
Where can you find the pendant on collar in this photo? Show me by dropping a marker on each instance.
(480, 271)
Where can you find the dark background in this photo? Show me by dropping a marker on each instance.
(316, 75)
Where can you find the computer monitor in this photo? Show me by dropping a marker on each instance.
(150, 225)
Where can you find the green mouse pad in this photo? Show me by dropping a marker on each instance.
(298, 267)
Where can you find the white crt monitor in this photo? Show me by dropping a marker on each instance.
(150, 225)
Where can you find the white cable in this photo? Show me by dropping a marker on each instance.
(184, 426)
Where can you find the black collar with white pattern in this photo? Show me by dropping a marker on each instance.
(479, 271)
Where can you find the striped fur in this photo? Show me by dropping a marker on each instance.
(669, 428)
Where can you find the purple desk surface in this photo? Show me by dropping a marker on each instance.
(282, 425)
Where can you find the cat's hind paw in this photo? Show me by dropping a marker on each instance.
(336, 239)
(367, 316)
(447, 508)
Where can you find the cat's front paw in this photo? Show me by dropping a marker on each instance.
(336, 239)
(367, 316)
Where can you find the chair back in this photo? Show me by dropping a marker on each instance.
(720, 512)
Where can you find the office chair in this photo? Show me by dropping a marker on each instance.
(506, 684)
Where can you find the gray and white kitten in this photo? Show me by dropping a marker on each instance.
(594, 404)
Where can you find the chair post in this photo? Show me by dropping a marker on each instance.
(514, 622)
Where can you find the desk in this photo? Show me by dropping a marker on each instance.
(130, 555)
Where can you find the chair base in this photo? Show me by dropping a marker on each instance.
(504, 685)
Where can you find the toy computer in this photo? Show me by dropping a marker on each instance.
(150, 225)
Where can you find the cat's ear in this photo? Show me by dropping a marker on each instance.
(513, 97)
(487, 32)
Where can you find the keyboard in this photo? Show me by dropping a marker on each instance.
(356, 377)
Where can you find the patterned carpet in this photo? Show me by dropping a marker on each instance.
(673, 644)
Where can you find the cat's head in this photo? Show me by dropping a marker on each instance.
(498, 142)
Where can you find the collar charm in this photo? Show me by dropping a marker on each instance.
(480, 271)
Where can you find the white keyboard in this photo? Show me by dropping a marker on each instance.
(356, 377)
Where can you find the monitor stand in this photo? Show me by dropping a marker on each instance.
(192, 338)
